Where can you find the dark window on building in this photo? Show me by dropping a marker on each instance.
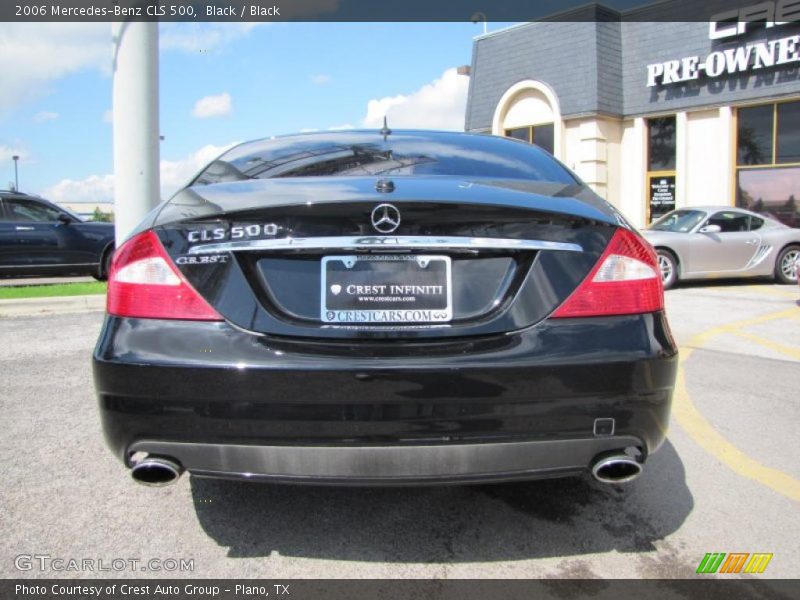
(788, 150)
(768, 160)
(773, 191)
(754, 135)
(541, 135)
(520, 133)
(661, 144)
(660, 167)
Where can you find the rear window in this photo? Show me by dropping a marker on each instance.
(367, 153)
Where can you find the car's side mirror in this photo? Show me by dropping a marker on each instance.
(711, 229)
(62, 218)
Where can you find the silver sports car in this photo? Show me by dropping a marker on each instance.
(712, 242)
(797, 270)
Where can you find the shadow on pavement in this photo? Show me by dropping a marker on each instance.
(547, 518)
(730, 283)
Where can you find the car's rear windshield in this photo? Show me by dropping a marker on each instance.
(368, 153)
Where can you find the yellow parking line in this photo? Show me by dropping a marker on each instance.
(754, 289)
(777, 347)
(772, 291)
(706, 436)
(702, 338)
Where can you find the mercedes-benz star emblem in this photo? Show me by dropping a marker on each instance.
(385, 218)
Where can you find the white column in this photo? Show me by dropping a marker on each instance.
(135, 109)
(633, 168)
(682, 197)
(726, 155)
(593, 156)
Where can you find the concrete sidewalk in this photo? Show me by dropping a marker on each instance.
(54, 305)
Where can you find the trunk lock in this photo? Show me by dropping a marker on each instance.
(384, 186)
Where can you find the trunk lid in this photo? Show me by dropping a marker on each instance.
(280, 256)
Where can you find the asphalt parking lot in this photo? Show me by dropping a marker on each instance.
(727, 479)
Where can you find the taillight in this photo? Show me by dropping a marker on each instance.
(144, 283)
(625, 281)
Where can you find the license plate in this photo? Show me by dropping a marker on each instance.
(386, 289)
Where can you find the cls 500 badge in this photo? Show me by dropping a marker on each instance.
(215, 259)
(237, 232)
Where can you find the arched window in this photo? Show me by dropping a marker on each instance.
(529, 111)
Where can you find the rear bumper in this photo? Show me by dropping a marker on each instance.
(388, 465)
(226, 403)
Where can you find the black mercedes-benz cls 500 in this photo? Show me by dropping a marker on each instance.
(385, 308)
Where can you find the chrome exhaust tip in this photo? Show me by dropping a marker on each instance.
(155, 471)
(616, 468)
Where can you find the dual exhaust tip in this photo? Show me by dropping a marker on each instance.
(156, 471)
(616, 468)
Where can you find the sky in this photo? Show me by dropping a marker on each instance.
(220, 84)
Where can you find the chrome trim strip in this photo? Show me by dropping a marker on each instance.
(388, 242)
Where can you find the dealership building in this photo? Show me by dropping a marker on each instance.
(652, 115)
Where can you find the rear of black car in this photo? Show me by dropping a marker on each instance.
(364, 309)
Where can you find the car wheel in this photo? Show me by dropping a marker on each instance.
(785, 265)
(668, 266)
(105, 265)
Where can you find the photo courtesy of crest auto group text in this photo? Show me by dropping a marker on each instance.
(337, 299)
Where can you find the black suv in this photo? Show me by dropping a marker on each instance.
(39, 238)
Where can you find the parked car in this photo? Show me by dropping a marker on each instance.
(385, 308)
(797, 270)
(707, 242)
(38, 237)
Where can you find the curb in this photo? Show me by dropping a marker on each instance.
(54, 305)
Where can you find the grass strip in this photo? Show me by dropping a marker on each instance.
(50, 291)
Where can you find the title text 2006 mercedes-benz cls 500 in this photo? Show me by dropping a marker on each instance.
(385, 308)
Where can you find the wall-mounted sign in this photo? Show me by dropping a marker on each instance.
(662, 195)
(731, 23)
(749, 57)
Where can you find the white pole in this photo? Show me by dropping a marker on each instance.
(135, 110)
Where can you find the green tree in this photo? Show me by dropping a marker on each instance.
(104, 217)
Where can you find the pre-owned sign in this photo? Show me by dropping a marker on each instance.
(756, 56)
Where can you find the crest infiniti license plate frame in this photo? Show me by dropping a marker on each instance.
(395, 289)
